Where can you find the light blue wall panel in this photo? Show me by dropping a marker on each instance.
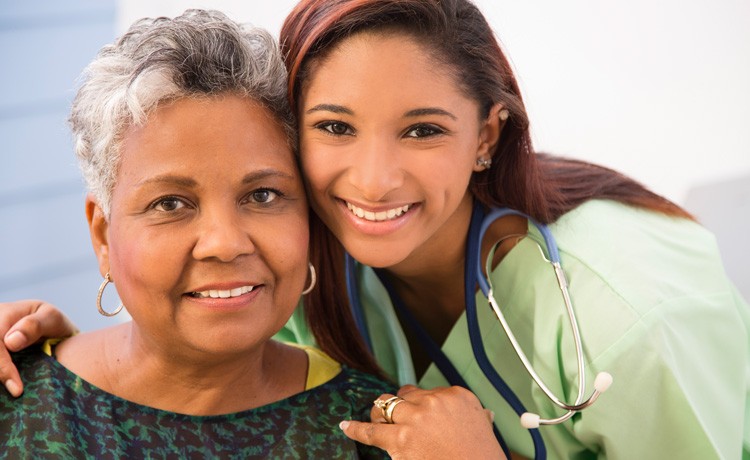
(44, 63)
(37, 154)
(42, 233)
(45, 251)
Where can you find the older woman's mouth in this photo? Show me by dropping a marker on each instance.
(222, 293)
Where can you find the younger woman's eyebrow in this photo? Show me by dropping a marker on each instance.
(330, 108)
(334, 108)
(429, 111)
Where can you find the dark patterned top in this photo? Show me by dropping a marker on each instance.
(60, 415)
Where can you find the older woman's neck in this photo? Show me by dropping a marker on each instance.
(193, 383)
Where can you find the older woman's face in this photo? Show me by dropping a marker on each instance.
(208, 235)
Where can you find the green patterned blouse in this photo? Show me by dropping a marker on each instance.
(61, 416)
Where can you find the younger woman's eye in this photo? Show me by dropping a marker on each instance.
(421, 131)
(336, 128)
(168, 204)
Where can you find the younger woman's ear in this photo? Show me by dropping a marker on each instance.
(491, 130)
(98, 230)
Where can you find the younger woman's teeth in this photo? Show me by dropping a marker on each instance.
(223, 294)
(379, 216)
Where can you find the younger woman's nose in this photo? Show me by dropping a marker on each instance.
(376, 170)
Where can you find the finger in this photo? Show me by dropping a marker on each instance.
(11, 312)
(45, 321)
(376, 413)
(9, 374)
(386, 414)
(373, 434)
(406, 389)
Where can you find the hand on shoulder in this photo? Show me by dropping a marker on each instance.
(23, 323)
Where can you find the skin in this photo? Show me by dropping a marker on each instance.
(384, 127)
(201, 193)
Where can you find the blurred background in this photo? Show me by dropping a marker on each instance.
(657, 90)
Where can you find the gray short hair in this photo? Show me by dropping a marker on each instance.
(198, 54)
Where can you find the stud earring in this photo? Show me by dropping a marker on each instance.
(503, 114)
(484, 163)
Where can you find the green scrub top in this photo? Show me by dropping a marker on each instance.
(655, 310)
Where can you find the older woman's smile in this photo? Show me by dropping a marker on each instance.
(223, 293)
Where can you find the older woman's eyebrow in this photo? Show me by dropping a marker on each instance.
(171, 179)
(330, 108)
(188, 182)
(265, 174)
(429, 111)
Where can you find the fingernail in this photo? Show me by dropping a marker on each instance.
(344, 425)
(13, 388)
(15, 340)
(492, 416)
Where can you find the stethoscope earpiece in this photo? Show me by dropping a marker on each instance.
(530, 420)
(602, 381)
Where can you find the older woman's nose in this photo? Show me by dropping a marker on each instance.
(222, 236)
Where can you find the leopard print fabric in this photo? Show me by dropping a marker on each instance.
(60, 416)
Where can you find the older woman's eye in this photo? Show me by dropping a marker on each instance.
(336, 128)
(421, 131)
(264, 196)
(168, 204)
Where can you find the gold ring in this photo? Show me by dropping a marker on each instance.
(387, 406)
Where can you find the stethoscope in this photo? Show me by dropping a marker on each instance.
(603, 379)
(473, 275)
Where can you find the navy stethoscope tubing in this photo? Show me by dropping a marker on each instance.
(473, 276)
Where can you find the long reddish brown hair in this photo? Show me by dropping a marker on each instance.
(455, 31)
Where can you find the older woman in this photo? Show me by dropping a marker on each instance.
(197, 213)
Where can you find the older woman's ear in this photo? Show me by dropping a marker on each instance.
(98, 227)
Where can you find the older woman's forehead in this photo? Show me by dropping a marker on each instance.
(209, 133)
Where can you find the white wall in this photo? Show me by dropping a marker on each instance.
(656, 89)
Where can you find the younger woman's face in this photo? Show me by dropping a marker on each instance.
(388, 145)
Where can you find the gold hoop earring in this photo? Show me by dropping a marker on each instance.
(313, 279)
(107, 280)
